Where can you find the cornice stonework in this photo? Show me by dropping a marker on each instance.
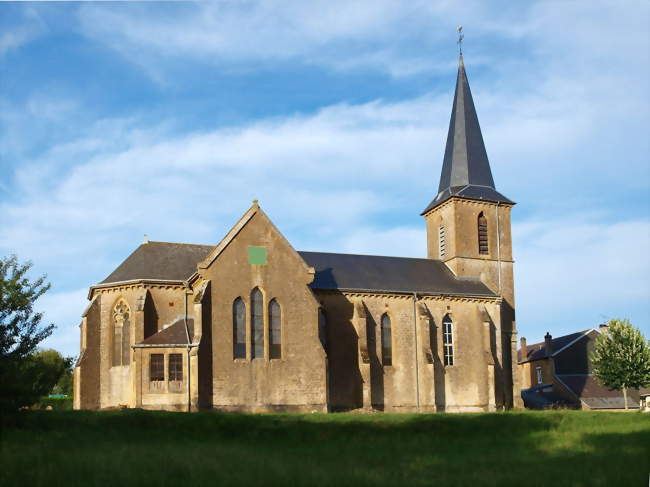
(352, 295)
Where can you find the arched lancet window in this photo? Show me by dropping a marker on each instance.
(442, 241)
(322, 328)
(448, 339)
(386, 340)
(239, 328)
(121, 333)
(275, 330)
(257, 324)
(482, 234)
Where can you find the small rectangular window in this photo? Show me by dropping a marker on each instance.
(540, 375)
(441, 238)
(175, 367)
(156, 367)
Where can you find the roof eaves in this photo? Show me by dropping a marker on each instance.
(165, 345)
(434, 204)
(402, 291)
(133, 281)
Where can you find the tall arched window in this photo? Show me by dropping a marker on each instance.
(322, 328)
(448, 339)
(275, 330)
(239, 328)
(386, 341)
(257, 324)
(121, 333)
(482, 234)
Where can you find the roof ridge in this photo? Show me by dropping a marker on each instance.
(369, 255)
(177, 243)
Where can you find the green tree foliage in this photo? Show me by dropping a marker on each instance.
(20, 333)
(621, 357)
(52, 372)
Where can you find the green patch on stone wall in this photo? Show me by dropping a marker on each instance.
(257, 255)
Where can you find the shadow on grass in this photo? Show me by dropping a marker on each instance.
(146, 448)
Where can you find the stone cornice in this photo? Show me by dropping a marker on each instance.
(359, 293)
(469, 201)
(135, 284)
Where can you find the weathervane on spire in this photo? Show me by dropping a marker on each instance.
(459, 29)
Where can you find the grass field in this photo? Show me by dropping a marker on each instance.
(155, 448)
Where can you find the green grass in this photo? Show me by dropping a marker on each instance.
(155, 448)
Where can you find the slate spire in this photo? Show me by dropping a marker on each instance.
(465, 169)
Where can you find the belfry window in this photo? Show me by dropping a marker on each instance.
(239, 328)
(275, 330)
(257, 325)
(482, 235)
(121, 333)
(386, 340)
(448, 339)
(441, 241)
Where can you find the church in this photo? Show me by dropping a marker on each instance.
(251, 324)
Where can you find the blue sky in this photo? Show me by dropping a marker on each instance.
(167, 119)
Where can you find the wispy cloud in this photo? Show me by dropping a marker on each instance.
(562, 101)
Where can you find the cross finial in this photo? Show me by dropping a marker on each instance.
(459, 29)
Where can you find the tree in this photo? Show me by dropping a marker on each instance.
(51, 369)
(621, 357)
(20, 332)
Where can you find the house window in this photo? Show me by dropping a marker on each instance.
(448, 339)
(121, 333)
(322, 328)
(386, 341)
(540, 375)
(482, 234)
(156, 367)
(239, 328)
(175, 367)
(275, 331)
(441, 240)
(257, 325)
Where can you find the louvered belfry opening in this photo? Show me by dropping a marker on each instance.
(482, 235)
(442, 241)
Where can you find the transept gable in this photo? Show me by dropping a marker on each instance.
(257, 254)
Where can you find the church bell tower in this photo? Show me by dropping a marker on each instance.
(468, 222)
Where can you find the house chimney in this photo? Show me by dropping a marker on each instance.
(603, 327)
(524, 348)
(548, 344)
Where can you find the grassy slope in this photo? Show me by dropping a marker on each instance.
(155, 448)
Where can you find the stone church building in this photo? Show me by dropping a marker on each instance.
(251, 324)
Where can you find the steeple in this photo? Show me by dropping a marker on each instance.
(465, 169)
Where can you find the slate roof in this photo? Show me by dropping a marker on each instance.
(537, 351)
(174, 334)
(397, 274)
(160, 260)
(465, 168)
(172, 261)
(597, 396)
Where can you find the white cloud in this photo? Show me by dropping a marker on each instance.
(64, 310)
